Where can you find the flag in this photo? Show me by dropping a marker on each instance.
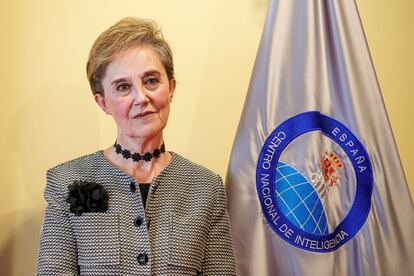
(315, 183)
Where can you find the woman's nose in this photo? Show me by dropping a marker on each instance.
(140, 95)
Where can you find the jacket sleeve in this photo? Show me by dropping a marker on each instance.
(219, 254)
(57, 247)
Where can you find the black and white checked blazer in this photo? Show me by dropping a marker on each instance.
(184, 229)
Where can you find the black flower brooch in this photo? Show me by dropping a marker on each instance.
(87, 196)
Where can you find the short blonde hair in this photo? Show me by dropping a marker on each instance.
(129, 32)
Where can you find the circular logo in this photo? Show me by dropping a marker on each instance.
(314, 181)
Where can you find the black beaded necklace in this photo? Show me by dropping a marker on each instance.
(136, 156)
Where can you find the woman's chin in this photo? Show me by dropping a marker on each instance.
(145, 133)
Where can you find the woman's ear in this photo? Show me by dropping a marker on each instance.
(172, 88)
(100, 100)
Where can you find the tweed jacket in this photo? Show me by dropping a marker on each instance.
(184, 229)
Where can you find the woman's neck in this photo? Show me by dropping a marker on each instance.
(140, 145)
(143, 171)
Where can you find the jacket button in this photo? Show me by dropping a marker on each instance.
(138, 221)
(132, 187)
(142, 259)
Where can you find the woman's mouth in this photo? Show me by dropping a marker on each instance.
(143, 114)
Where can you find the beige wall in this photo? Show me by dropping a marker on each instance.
(389, 30)
(48, 115)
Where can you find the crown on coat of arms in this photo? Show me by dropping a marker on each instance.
(328, 174)
(330, 164)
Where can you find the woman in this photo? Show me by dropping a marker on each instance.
(134, 208)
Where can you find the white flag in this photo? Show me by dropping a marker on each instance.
(315, 182)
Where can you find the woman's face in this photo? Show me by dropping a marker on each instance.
(137, 93)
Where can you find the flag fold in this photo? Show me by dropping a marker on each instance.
(315, 182)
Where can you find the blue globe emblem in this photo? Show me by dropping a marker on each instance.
(292, 204)
(298, 200)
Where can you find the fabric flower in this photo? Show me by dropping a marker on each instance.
(136, 157)
(87, 196)
(147, 156)
(126, 154)
(156, 153)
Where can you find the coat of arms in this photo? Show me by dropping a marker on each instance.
(330, 166)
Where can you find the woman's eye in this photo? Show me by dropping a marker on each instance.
(123, 87)
(151, 83)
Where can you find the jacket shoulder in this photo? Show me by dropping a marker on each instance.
(84, 159)
(82, 166)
